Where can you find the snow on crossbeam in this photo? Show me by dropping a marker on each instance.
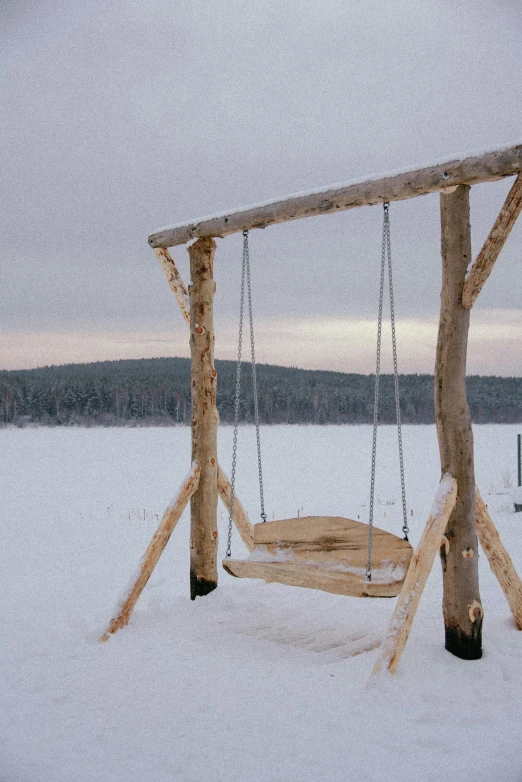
(485, 166)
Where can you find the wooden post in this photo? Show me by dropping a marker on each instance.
(461, 602)
(519, 460)
(203, 504)
(240, 516)
(399, 628)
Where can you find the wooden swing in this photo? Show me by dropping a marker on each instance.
(291, 541)
(329, 553)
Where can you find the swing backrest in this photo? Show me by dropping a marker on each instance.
(329, 539)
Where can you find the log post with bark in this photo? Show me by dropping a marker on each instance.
(203, 503)
(462, 607)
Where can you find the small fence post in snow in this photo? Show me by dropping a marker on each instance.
(518, 492)
(519, 462)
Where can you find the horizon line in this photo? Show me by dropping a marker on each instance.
(233, 361)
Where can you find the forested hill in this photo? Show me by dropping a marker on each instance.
(150, 392)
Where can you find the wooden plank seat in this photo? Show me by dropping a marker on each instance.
(327, 553)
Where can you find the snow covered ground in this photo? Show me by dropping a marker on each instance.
(254, 682)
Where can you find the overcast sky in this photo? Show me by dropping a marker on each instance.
(121, 117)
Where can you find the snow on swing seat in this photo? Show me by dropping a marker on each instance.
(327, 553)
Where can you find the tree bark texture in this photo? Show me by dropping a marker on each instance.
(203, 504)
(461, 602)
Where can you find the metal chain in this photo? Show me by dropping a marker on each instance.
(386, 251)
(237, 397)
(246, 255)
(245, 271)
(405, 528)
(376, 400)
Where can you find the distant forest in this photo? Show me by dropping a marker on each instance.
(156, 392)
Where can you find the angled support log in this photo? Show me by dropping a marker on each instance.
(482, 267)
(399, 628)
(499, 560)
(154, 550)
(174, 279)
(240, 516)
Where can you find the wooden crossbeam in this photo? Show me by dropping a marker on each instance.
(399, 628)
(499, 560)
(485, 167)
(178, 287)
(482, 267)
(154, 551)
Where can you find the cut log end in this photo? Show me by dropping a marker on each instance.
(467, 646)
(199, 587)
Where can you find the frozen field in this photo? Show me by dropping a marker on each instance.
(255, 682)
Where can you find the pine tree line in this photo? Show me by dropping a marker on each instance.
(157, 392)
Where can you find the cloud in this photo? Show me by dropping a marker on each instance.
(341, 345)
(120, 117)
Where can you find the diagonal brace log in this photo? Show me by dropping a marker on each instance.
(496, 240)
(499, 560)
(399, 628)
(154, 550)
(177, 285)
(239, 514)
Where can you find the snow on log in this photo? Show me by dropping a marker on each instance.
(499, 560)
(487, 166)
(399, 628)
(154, 550)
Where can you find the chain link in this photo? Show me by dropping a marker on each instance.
(376, 400)
(405, 528)
(237, 397)
(386, 252)
(245, 272)
(254, 380)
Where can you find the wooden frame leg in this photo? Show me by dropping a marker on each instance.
(499, 560)
(204, 502)
(154, 550)
(399, 628)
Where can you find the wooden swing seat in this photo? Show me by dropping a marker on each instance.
(327, 553)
